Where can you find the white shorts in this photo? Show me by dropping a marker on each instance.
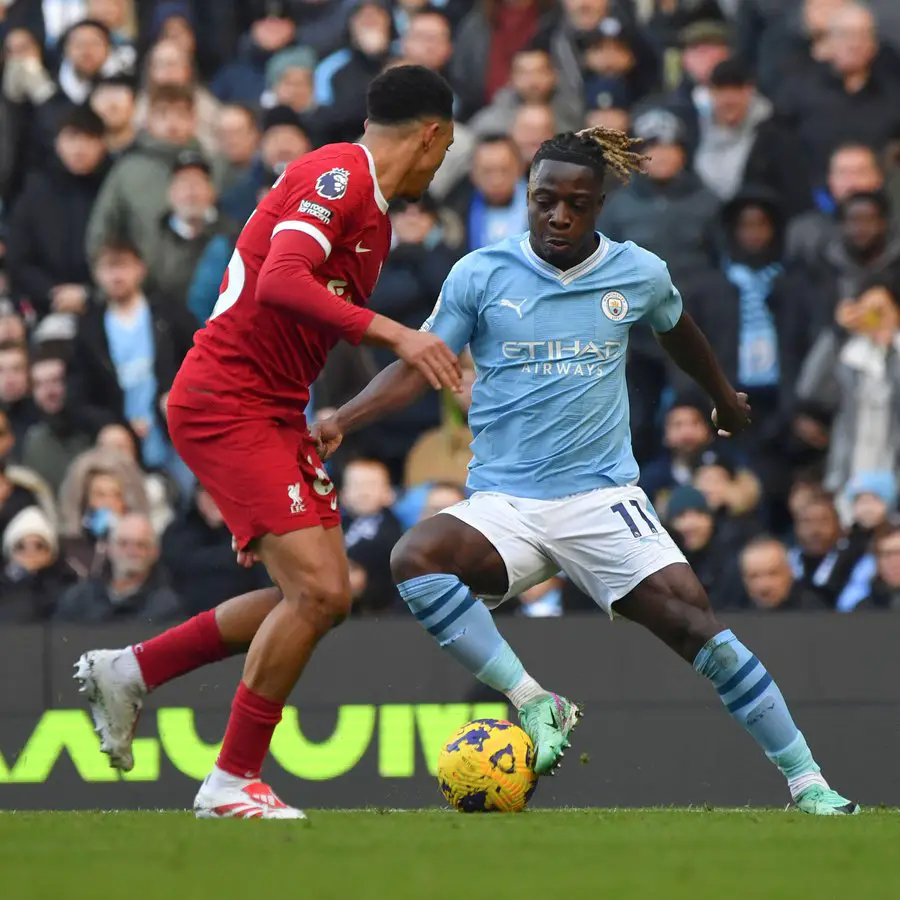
(606, 541)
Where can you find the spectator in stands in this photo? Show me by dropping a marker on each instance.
(579, 18)
(169, 65)
(370, 532)
(133, 199)
(173, 21)
(238, 136)
(852, 379)
(618, 61)
(46, 257)
(732, 495)
(407, 289)
(63, 430)
(118, 438)
(12, 325)
(427, 39)
(33, 575)
(740, 143)
(19, 486)
(823, 559)
(48, 22)
(885, 590)
(533, 124)
(443, 454)
(853, 98)
(197, 552)
(283, 140)
(100, 487)
(769, 581)
(852, 169)
(749, 304)
(87, 56)
(533, 80)
(290, 82)
(120, 18)
(493, 204)
(694, 527)
(609, 113)
(486, 41)
(705, 44)
(669, 19)
(341, 78)
(15, 392)
(135, 587)
(113, 99)
(243, 80)
(192, 226)
(440, 496)
(127, 353)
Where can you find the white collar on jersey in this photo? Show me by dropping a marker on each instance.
(379, 197)
(569, 275)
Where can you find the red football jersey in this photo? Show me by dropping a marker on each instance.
(262, 354)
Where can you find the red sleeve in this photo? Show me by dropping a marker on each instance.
(286, 282)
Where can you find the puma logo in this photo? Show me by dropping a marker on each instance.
(516, 306)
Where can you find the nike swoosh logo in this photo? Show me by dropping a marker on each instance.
(361, 249)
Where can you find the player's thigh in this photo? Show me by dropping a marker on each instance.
(608, 542)
(310, 567)
(490, 546)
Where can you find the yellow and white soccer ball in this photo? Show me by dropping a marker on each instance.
(487, 766)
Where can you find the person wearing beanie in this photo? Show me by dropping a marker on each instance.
(33, 575)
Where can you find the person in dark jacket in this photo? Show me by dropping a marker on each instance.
(134, 588)
(669, 212)
(885, 590)
(740, 143)
(63, 430)
(128, 350)
(853, 97)
(341, 78)
(18, 408)
(197, 552)
(33, 574)
(45, 253)
(243, 80)
(769, 582)
(406, 292)
(191, 226)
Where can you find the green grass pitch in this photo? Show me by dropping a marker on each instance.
(617, 854)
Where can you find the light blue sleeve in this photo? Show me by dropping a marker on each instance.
(665, 307)
(455, 314)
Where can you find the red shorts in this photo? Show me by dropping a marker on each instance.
(264, 474)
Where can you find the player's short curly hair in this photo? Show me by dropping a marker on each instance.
(407, 93)
(600, 149)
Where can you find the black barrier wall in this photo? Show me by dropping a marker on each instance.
(365, 726)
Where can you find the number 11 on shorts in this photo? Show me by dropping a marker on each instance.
(621, 510)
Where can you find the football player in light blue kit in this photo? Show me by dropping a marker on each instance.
(547, 317)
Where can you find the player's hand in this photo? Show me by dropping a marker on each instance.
(327, 435)
(732, 418)
(428, 354)
(246, 559)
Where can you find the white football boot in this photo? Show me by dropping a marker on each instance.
(115, 698)
(224, 796)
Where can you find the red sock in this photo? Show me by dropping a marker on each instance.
(249, 733)
(181, 649)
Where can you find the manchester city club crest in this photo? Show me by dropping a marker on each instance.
(614, 306)
(332, 185)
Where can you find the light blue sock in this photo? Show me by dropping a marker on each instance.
(464, 627)
(754, 700)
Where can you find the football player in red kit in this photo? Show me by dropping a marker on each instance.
(304, 264)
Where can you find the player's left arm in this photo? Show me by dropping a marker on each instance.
(689, 349)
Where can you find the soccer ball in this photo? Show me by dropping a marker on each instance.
(487, 766)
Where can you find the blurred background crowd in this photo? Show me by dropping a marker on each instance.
(136, 136)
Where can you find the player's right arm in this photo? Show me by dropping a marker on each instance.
(301, 243)
(452, 320)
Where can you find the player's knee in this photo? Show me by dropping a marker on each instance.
(324, 603)
(413, 555)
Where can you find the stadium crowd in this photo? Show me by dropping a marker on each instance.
(137, 136)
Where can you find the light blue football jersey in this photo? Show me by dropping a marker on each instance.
(550, 414)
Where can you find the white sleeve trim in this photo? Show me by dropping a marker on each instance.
(305, 228)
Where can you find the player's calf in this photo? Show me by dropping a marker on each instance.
(672, 604)
(427, 564)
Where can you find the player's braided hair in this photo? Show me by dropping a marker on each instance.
(598, 148)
